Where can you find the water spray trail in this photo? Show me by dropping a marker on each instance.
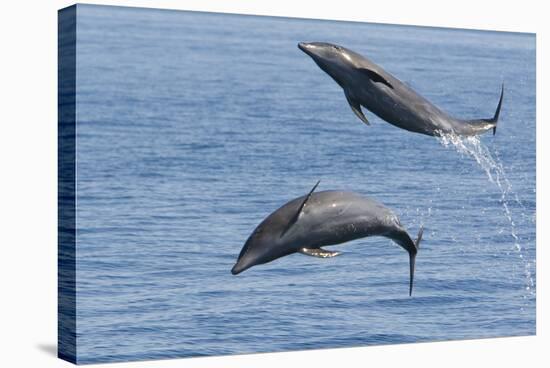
(473, 147)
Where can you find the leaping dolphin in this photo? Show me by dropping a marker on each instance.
(367, 84)
(306, 224)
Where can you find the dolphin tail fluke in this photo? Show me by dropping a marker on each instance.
(478, 126)
(412, 261)
(419, 237)
(412, 258)
(494, 120)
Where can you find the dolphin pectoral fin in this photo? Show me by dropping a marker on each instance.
(356, 108)
(375, 77)
(319, 252)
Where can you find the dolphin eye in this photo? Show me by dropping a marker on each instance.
(259, 230)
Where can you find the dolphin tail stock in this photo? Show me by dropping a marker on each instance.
(412, 257)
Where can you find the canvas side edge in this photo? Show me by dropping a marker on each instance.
(66, 196)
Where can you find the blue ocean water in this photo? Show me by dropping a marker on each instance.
(192, 127)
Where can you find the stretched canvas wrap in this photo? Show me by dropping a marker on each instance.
(235, 184)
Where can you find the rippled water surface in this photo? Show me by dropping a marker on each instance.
(193, 127)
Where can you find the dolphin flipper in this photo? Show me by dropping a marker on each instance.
(319, 252)
(356, 107)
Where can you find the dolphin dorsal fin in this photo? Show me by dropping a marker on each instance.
(374, 76)
(300, 209)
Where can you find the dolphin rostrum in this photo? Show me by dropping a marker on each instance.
(306, 224)
(367, 84)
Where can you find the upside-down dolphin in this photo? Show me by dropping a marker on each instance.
(367, 84)
(306, 224)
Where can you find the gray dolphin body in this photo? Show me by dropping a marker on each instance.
(367, 84)
(307, 223)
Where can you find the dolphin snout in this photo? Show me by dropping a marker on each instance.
(240, 266)
(236, 269)
(306, 47)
